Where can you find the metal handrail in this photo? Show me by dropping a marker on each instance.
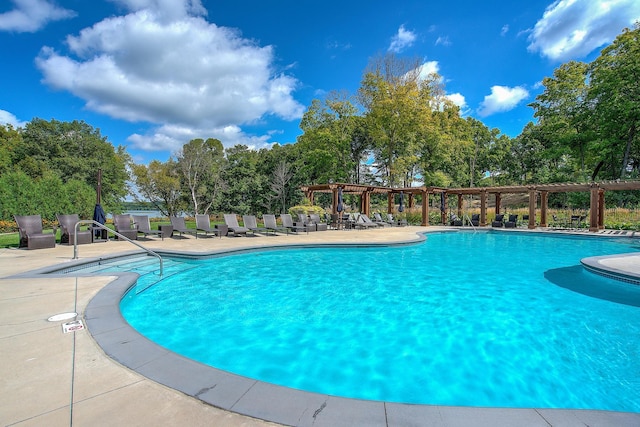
(96, 224)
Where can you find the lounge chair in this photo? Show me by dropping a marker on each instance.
(31, 233)
(287, 222)
(178, 224)
(144, 226)
(203, 223)
(315, 219)
(512, 222)
(454, 220)
(304, 220)
(123, 225)
(270, 224)
(378, 219)
(68, 229)
(391, 220)
(499, 221)
(232, 222)
(364, 221)
(475, 220)
(251, 222)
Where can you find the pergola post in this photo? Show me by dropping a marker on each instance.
(594, 208)
(425, 208)
(532, 209)
(411, 200)
(498, 201)
(390, 197)
(483, 208)
(309, 195)
(601, 208)
(544, 206)
(334, 201)
(459, 205)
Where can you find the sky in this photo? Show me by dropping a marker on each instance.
(154, 74)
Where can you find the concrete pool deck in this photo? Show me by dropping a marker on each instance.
(52, 378)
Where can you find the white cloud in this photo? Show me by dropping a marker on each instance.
(571, 29)
(179, 73)
(29, 16)
(168, 10)
(171, 138)
(502, 99)
(504, 30)
(6, 118)
(444, 41)
(459, 100)
(428, 68)
(402, 40)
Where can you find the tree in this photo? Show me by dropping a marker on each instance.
(200, 164)
(615, 96)
(280, 184)
(159, 183)
(74, 150)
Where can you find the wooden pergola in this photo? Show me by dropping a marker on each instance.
(596, 189)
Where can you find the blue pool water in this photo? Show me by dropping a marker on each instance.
(473, 319)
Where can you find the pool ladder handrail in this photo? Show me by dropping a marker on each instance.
(96, 224)
(466, 217)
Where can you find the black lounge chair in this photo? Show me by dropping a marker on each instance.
(287, 221)
(123, 225)
(203, 223)
(31, 233)
(68, 229)
(475, 220)
(455, 221)
(232, 222)
(499, 221)
(271, 225)
(512, 222)
(251, 222)
(144, 226)
(178, 224)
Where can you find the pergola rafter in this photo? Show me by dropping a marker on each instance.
(596, 189)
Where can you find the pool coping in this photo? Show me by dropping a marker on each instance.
(280, 404)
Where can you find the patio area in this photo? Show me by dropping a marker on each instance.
(54, 378)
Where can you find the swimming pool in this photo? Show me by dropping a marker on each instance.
(461, 319)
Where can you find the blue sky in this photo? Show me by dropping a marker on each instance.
(154, 74)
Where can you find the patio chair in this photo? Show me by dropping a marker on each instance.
(391, 220)
(271, 225)
(499, 221)
(287, 221)
(144, 226)
(454, 220)
(31, 233)
(475, 220)
(123, 225)
(203, 223)
(251, 222)
(512, 222)
(68, 229)
(304, 220)
(315, 219)
(378, 219)
(178, 224)
(232, 222)
(364, 221)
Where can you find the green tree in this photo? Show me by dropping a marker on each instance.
(615, 96)
(159, 183)
(74, 150)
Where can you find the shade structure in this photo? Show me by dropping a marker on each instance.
(443, 206)
(340, 206)
(401, 207)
